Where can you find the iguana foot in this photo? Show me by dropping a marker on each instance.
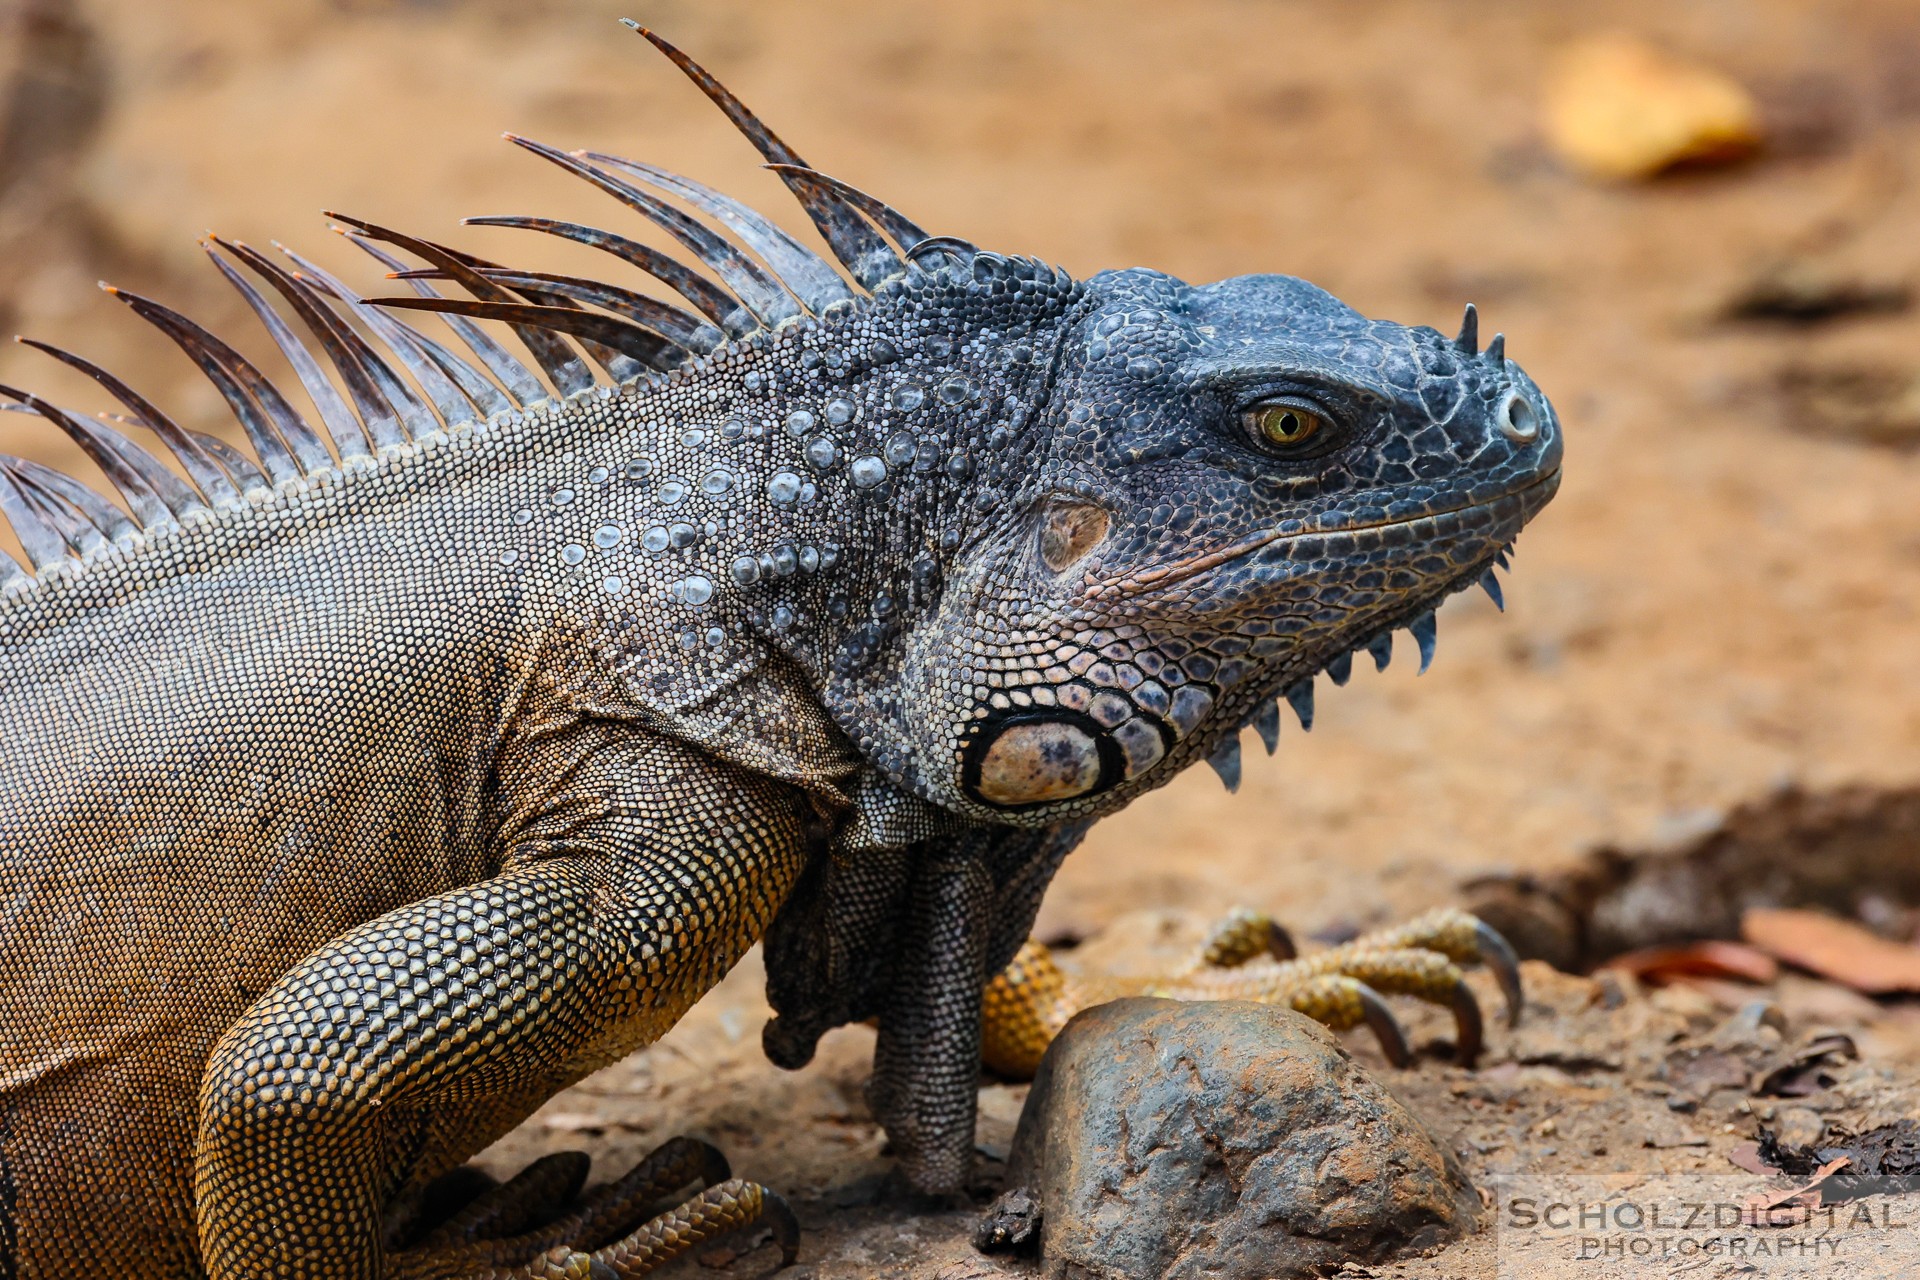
(1344, 986)
(608, 1234)
(1248, 957)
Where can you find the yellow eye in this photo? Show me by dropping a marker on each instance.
(1286, 425)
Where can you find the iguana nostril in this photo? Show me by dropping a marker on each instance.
(1517, 419)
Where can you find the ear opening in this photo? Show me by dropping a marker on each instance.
(1070, 530)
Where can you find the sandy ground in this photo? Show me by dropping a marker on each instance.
(1721, 599)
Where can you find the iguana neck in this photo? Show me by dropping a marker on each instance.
(803, 494)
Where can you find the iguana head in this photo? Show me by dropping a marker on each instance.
(1232, 488)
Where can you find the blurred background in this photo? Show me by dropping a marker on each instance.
(1697, 223)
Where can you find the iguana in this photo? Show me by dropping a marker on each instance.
(360, 792)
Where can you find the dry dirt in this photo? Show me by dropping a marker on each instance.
(1720, 602)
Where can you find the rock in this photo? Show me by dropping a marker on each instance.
(1799, 1127)
(1228, 1140)
(1757, 1024)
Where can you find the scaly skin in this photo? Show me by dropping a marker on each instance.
(348, 813)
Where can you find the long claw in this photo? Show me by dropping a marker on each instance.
(1386, 1027)
(778, 1215)
(1497, 954)
(1470, 1028)
(714, 1166)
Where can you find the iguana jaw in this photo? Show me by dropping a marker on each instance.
(1042, 760)
(1160, 577)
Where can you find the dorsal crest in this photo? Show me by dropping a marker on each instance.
(376, 383)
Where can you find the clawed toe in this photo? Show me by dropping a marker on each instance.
(534, 1195)
(1242, 936)
(726, 1206)
(1462, 938)
(1343, 1000)
(1346, 986)
(613, 1233)
(1248, 957)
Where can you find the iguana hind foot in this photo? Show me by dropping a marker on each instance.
(1342, 987)
(611, 1233)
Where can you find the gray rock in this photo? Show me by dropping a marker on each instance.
(1227, 1140)
(1799, 1127)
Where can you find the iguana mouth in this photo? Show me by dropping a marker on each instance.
(1165, 575)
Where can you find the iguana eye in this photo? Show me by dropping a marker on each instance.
(1284, 425)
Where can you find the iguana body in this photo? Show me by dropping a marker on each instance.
(349, 810)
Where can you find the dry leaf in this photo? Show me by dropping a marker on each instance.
(1787, 1209)
(1834, 948)
(1658, 966)
(1791, 1208)
(1617, 107)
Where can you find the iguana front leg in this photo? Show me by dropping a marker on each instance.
(636, 880)
(973, 896)
(926, 1061)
